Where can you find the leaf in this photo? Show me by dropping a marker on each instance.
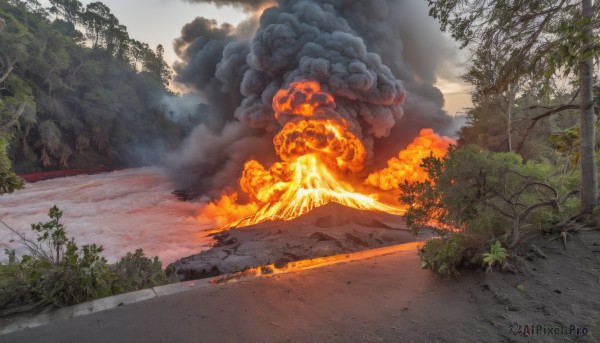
(586, 55)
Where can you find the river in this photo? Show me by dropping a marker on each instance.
(122, 210)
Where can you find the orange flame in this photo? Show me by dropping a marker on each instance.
(315, 151)
(318, 149)
(407, 165)
(226, 210)
(302, 98)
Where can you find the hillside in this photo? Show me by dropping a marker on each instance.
(78, 92)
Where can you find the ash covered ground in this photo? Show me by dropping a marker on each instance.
(329, 230)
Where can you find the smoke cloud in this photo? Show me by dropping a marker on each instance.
(248, 5)
(379, 59)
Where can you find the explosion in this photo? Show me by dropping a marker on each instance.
(317, 148)
(320, 153)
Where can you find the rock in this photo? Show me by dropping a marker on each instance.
(281, 263)
(328, 230)
(322, 237)
(356, 240)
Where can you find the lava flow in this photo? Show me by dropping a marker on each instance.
(319, 151)
(317, 147)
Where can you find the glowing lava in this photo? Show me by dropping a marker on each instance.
(317, 147)
(311, 185)
(318, 262)
(319, 151)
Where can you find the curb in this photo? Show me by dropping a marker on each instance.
(27, 321)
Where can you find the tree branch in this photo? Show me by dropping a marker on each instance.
(536, 206)
(33, 247)
(499, 210)
(544, 115)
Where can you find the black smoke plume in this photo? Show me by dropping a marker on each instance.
(378, 58)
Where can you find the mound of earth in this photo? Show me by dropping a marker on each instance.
(328, 230)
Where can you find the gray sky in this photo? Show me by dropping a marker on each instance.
(160, 22)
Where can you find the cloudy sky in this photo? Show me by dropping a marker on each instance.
(160, 22)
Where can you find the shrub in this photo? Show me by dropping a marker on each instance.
(443, 255)
(59, 273)
(136, 271)
(480, 191)
(486, 196)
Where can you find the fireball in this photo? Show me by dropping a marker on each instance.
(319, 151)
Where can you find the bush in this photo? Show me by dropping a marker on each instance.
(446, 254)
(487, 197)
(59, 273)
(478, 190)
(136, 271)
(443, 255)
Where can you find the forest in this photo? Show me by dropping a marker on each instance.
(77, 91)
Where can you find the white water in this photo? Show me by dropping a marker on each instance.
(122, 210)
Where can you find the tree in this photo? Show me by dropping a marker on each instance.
(70, 10)
(534, 32)
(11, 110)
(485, 73)
(117, 42)
(97, 19)
(589, 178)
(68, 104)
(9, 181)
(156, 66)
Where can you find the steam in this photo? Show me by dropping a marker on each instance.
(378, 58)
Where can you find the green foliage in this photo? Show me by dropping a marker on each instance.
(53, 233)
(75, 100)
(566, 143)
(488, 196)
(476, 189)
(59, 273)
(136, 271)
(81, 275)
(443, 255)
(487, 125)
(497, 254)
(9, 181)
(536, 37)
(567, 52)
